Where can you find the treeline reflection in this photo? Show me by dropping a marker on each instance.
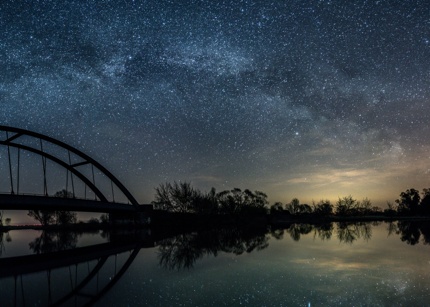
(55, 241)
(182, 251)
(413, 233)
(346, 232)
(349, 232)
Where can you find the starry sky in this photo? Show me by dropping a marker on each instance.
(307, 99)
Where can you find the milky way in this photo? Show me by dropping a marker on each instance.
(307, 99)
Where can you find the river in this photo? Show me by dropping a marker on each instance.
(374, 264)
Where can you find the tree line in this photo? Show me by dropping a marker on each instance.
(62, 218)
(183, 197)
(412, 203)
(345, 206)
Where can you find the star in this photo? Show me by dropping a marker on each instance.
(258, 95)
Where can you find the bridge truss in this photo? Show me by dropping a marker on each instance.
(79, 167)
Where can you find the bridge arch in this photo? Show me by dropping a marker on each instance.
(13, 136)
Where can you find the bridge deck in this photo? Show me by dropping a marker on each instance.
(30, 202)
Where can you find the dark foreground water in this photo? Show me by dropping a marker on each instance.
(379, 264)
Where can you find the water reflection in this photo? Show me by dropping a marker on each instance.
(347, 232)
(59, 272)
(182, 251)
(296, 230)
(67, 270)
(49, 242)
(350, 232)
(2, 247)
(412, 232)
(322, 231)
(55, 241)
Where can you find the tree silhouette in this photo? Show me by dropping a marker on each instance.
(65, 217)
(207, 203)
(238, 201)
(104, 218)
(391, 209)
(294, 206)
(64, 193)
(46, 218)
(346, 206)
(179, 197)
(162, 197)
(323, 208)
(305, 209)
(425, 202)
(42, 216)
(408, 202)
(276, 208)
(229, 202)
(365, 206)
(184, 196)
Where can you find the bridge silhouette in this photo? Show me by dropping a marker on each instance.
(85, 266)
(28, 151)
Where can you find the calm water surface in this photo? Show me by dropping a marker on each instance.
(337, 264)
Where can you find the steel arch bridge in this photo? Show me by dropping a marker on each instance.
(66, 157)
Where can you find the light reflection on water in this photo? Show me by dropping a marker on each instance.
(378, 264)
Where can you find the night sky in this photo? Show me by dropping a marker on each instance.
(307, 99)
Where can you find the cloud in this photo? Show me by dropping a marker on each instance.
(344, 177)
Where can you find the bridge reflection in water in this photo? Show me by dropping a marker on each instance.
(75, 277)
(82, 276)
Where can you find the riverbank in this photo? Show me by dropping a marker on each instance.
(175, 220)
